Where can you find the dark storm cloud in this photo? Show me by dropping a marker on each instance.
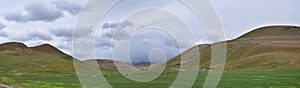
(72, 8)
(2, 26)
(35, 12)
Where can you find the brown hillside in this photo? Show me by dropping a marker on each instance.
(267, 48)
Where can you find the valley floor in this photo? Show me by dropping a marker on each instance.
(230, 79)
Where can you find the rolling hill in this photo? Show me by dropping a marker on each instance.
(267, 48)
(17, 57)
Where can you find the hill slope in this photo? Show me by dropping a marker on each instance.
(273, 47)
(18, 57)
(267, 48)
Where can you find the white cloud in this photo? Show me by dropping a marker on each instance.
(3, 34)
(66, 32)
(70, 7)
(35, 12)
(31, 35)
(2, 26)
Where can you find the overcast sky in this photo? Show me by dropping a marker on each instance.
(36, 22)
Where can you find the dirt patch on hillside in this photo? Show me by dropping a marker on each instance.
(4, 86)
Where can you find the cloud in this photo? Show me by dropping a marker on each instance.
(140, 46)
(105, 38)
(104, 43)
(2, 26)
(126, 24)
(123, 32)
(40, 35)
(110, 25)
(83, 31)
(3, 34)
(35, 12)
(66, 32)
(179, 45)
(147, 42)
(171, 43)
(72, 8)
(31, 35)
(109, 30)
(64, 44)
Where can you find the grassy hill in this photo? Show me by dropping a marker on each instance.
(267, 48)
(17, 57)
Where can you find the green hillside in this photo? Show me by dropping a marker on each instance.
(17, 57)
(267, 48)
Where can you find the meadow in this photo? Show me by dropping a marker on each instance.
(230, 79)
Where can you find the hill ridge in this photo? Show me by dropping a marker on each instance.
(265, 48)
(271, 47)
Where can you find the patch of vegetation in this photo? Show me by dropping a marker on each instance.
(7, 80)
(230, 79)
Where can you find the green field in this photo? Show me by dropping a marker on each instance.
(230, 79)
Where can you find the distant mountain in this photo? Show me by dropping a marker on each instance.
(19, 57)
(267, 48)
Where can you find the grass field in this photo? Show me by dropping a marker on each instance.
(230, 79)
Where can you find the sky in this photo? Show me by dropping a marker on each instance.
(36, 22)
